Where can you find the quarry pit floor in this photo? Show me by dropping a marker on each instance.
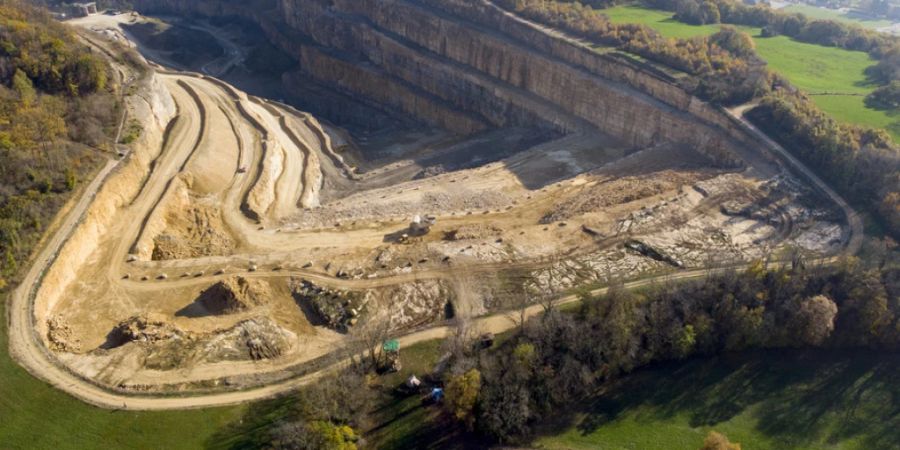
(252, 198)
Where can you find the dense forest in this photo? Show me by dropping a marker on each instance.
(57, 113)
(863, 164)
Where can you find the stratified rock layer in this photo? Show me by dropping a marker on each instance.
(467, 65)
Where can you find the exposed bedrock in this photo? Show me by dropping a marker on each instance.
(465, 65)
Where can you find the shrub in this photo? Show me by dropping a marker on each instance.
(885, 97)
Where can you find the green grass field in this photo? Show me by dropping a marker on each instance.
(829, 14)
(661, 21)
(33, 415)
(764, 400)
(834, 77)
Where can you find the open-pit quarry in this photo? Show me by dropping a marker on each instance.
(460, 162)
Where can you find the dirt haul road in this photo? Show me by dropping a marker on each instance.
(855, 240)
(259, 164)
(30, 353)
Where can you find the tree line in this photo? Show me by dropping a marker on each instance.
(56, 111)
(562, 357)
(829, 33)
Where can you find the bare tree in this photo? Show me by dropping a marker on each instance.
(518, 315)
(555, 271)
(364, 349)
(460, 345)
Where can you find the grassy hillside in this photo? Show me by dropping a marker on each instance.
(764, 400)
(661, 21)
(835, 77)
(830, 14)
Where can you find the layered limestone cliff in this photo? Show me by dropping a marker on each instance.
(466, 64)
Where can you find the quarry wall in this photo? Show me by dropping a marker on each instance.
(467, 64)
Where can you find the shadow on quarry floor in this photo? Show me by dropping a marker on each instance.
(396, 156)
(312, 316)
(194, 310)
(564, 157)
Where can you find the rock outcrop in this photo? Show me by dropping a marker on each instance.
(165, 346)
(336, 309)
(60, 337)
(146, 329)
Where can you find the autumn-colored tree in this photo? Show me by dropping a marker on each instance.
(314, 435)
(50, 83)
(462, 395)
(718, 441)
(815, 320)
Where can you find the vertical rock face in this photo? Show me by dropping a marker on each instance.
(466, 65)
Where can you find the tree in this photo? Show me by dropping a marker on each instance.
(685, 341)
(315, 435)
(890, 209)
(825, 32)
(618, 327)
(335, 437)
(462, 395)
(885, 97)
(343, 397)
(710, 12)
(24, 88)
(689, 11)
(738, 43)
(365, 347)
(10, 266)
(815, 320)
(718, 441)
(888, 67)
(524, 354)
(876, 7)
(71, 179)
(87, 74)
(505, 409)
(461, 345)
